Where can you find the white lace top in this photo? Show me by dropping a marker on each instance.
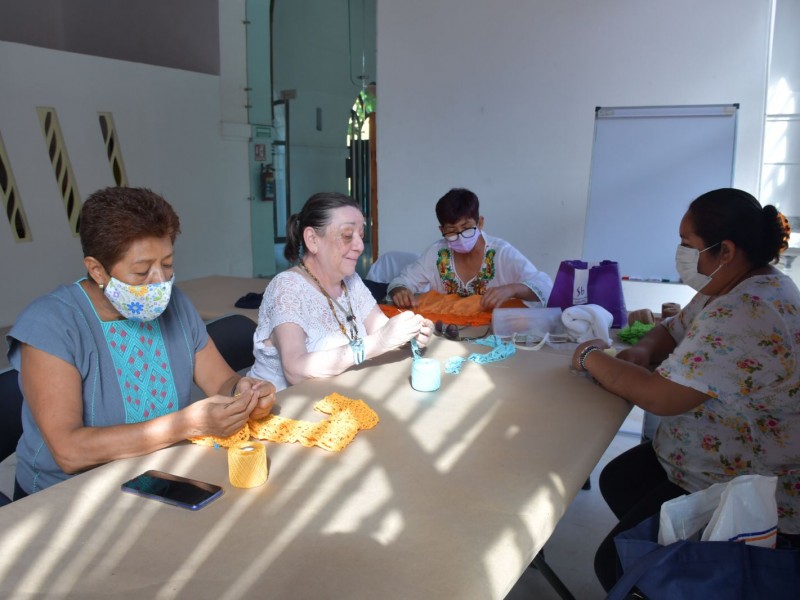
(291, 298)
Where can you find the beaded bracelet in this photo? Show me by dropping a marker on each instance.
(357, 346)
(584, 353)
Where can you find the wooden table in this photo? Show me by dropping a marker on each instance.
(451, 495)
(214, 296)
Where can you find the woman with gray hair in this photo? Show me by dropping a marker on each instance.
(318, 319)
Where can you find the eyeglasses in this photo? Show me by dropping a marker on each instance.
(452, 332)
(464, 233)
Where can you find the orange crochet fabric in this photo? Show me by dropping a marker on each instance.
(451, 308)
(347, 418)
(211, 440)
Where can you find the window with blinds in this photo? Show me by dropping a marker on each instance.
(12, 203)
(62, 168)
(112, 148)
(780, 174)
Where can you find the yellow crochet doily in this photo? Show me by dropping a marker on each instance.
(347, 418)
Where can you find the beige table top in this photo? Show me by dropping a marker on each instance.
(449, 496)
(214, 296)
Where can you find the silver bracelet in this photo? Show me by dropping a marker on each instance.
(584, 353)
(357, 346)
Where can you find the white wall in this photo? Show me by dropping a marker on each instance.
(499, 96)
(168, 122)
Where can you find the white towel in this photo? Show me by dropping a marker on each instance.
(587, 322)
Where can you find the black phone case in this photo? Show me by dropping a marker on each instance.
(173, 489)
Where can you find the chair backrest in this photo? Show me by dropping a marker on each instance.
(10, 413)
(233, 336)
(389, 265)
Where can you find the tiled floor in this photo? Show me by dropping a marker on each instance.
(570, 550)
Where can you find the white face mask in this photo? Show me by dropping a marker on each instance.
(686, 260)
(139, 302)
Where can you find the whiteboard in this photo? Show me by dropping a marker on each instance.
(648, 164)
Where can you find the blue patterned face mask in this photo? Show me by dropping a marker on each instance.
(139, 302)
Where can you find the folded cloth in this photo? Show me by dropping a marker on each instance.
(249, 300)
(587, 322)
(452, 309)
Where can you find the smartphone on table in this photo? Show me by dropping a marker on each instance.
(173, 489)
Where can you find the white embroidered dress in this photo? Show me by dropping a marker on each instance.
(291, 298)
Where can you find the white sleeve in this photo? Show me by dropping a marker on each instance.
(282, 303)
(514, 267)
(420, 275)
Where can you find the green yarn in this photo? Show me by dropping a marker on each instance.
(634, 332)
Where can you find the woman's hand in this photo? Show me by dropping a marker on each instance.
(221, 416)
(576, 356)
(400, 329)
(638, 355)
(403, 298)
(497, 296)
(264, 392)
(425, 333)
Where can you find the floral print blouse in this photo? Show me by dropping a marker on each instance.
(741, 349)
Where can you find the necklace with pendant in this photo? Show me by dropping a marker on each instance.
(349, 314)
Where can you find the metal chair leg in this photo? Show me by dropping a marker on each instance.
(541, 565)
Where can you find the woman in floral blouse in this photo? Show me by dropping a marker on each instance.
(466, 261)
(727, 384)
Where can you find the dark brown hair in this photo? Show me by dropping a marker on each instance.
(457, 204)
(317, 212)
(114, 218)
(762, 233)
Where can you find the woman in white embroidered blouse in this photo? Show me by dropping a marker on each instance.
(467, 261)
(318, 318)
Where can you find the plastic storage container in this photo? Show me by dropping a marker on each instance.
(529, 324)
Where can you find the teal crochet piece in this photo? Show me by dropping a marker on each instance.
(500, 351)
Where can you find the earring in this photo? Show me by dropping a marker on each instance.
(101, 286)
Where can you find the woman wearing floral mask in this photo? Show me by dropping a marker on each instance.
(727, 380)
(106, 364)
(467, 261)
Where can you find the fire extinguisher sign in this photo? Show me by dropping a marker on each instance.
(260, 152)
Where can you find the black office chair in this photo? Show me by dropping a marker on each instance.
(10, 413)
(10, 418)
(233, 336)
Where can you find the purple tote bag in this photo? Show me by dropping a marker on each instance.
(579, 282)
